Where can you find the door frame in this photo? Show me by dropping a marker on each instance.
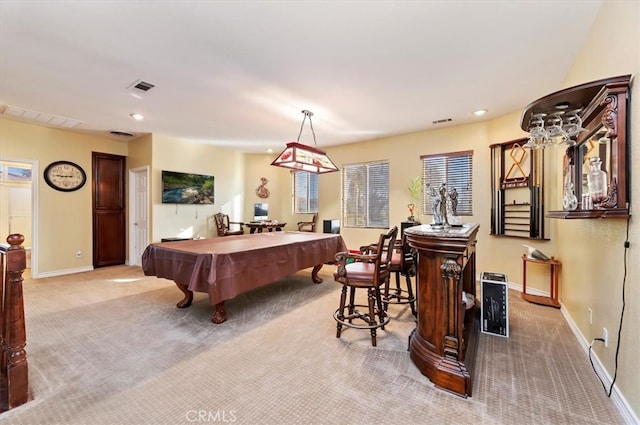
(134, 255)
(35, 174)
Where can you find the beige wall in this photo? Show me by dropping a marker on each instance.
(64, 218)
(140, 152)
(592, 250)
(175, 154)
(279, 186)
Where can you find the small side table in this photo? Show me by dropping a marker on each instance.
(552, 299)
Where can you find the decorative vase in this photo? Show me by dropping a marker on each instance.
(597, 181)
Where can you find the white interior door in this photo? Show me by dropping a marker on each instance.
(138, 214)
(20, 213)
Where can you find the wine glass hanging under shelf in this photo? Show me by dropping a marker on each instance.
(556, 128)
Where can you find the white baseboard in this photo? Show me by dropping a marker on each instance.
(618, 399)
(64, 272)
(531, 291)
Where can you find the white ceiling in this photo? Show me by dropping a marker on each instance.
(238, 73)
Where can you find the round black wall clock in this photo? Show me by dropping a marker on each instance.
(65, 176)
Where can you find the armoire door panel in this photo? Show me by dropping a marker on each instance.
(110, 250)
(109, 227)
(109, 183)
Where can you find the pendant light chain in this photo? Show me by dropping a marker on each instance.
(307, 114)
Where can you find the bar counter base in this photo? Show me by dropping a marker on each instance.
(443, 346)
(446, 373)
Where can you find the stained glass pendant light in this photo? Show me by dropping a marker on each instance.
(300, 157)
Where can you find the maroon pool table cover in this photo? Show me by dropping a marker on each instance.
(224, 267)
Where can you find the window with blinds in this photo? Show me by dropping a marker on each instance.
(305, 192)
(365, 195)
(455, 169)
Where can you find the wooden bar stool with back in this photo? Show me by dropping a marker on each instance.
(368, 270)
(402, 264)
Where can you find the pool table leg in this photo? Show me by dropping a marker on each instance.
(314, 274)
(220, 315)
(188, 296)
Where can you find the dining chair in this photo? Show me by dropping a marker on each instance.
(223, 225)
(308, 226)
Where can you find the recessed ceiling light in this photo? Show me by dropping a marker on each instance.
(137, 117)
(269, 150)
(479, 112)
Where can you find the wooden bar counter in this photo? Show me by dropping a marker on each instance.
(443, 345)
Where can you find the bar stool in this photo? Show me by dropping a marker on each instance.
(402, 263)
(367, 271)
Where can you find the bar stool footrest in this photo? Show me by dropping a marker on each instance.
(398, 297)
(347, 319)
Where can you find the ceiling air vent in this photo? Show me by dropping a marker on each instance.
(140, 86)
(121, 133)
(40, 117)
(442, 121)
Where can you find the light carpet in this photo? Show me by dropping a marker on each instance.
(110, 347)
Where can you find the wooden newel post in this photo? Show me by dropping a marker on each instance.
(14, 368)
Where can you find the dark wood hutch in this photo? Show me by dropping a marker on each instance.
(603, 106)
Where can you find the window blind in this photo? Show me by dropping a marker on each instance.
(455, 169)
(365, 195)
(305, 192)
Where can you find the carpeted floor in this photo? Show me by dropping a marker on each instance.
(110, 347)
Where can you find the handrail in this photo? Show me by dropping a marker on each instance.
(14, 377)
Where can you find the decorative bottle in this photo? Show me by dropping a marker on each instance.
(597, 181)
(569, 201)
